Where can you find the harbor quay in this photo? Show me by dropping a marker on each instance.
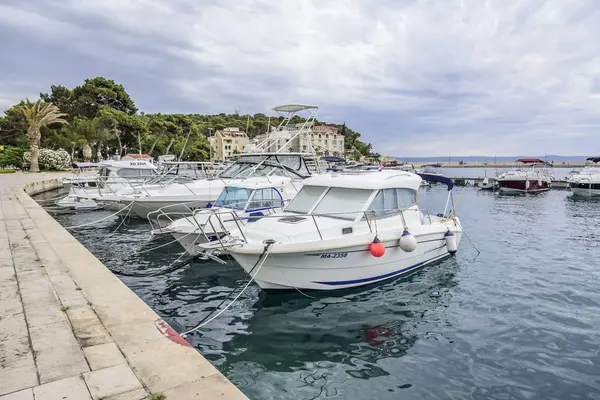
(70, 329)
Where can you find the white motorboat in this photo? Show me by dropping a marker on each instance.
(183, 198)
(113, 176)
(249, 200)
(263, 161)
(488, 184)
(344, 230)
(586, 183)
(530, 180)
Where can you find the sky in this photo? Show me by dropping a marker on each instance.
(414, 77)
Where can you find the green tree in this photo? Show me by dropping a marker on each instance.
(88, 98)
(39, 115)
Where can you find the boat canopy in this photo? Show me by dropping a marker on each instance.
(293, 108)
(531, 161)
(593, 159)
(86, 165)
(438, 179)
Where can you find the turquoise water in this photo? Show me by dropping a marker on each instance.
(519, 321)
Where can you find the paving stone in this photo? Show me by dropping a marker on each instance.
(103, 356)
(10, 306)
(9, 289)
(46, 315)
(72, 388)
(90, 332)
(12, 327)
(138, 394)
(212, 387)
(15, 353)
(54, 335)
(26, 394)
(12, 380)
(111, 381)
(60, 362)
(188, 365)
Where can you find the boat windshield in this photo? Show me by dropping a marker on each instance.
(265, 198)
(305, 199)
(285, 164)
(344, 203)
(233, 197)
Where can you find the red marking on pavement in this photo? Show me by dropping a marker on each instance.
(170, 333)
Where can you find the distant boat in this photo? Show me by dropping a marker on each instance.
(530, 180)
(586, 182)
(488, 184)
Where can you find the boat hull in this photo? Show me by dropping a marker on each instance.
(585, 189)
(523, 186)
(342, 267)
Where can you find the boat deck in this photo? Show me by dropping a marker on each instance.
(69, 329)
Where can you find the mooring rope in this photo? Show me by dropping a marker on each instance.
(172, 268)
(100, 220)
(263, 257)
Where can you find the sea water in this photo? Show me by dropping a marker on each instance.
(520, 320)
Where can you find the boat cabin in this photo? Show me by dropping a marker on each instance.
(253, 196)
(354, 196)
(127, 169)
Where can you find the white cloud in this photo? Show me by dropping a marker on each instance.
(443, 76)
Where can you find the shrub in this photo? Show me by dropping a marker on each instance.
(12, 157)
(51, 159)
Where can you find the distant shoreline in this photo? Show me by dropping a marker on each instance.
(486, 164)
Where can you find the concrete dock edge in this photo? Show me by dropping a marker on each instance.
(70, 329)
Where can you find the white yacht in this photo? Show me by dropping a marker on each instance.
(344, 230)
(113, 176)
(248, 200)
(586, 182)
(270, 157)
(183, 198)
(530, 180)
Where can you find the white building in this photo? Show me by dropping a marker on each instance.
(325, 140)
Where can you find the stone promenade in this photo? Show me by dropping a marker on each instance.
(69, 329)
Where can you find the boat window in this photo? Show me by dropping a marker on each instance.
(265, 198)
(406, 197)
(390, 201)
(233, 197)
(305, 199)
(134, 173)
(343, 203)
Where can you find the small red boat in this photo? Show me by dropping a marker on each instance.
(533, 179)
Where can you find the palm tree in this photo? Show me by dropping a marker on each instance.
(38, 115)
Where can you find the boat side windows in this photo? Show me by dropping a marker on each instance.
(134, 173)
(406, 197)
(265, 198)
(233, 197)
(305, 199)
(345, 203)
(390, 201)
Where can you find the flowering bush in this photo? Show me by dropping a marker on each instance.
(51, 159)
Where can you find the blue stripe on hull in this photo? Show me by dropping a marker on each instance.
(379, 277)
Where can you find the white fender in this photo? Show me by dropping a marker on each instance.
(407, 242)
(451, 242)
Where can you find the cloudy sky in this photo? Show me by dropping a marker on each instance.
(415, 77)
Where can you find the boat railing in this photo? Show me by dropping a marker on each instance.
(164, 214)
(371, 222)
